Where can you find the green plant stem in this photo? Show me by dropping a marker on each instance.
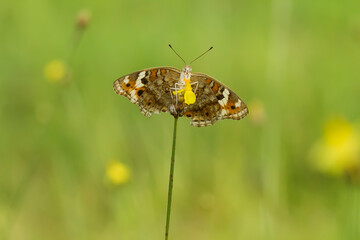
(171, 181)
(355, 211)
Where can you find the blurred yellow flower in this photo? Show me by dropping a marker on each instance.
(55, 71)
(117, 173)
(338, 153)
(257, 112)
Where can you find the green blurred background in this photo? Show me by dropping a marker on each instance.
(294, 62)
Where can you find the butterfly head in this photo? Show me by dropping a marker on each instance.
(187, 72)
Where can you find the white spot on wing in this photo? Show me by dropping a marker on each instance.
(141, 75)
(226, 93)
(126, 80)
(223, 102)
(133, 95)
(138, 83)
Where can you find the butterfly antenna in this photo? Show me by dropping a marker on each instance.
(177, 54)
(201, 55)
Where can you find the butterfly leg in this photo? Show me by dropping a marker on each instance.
(177, 93)
(179, 88)
(174, 92)
(196, 84)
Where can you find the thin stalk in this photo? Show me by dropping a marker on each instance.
(355, 211)
(171, 181)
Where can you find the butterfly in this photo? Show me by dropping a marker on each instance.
(181, 93)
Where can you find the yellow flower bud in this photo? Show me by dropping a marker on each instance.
(55, 71)
(83, 19)
(117, 173)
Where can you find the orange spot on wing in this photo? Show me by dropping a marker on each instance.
(208, 81)
(128, 86)
(207, 114)
(215, 88)
(188, 114)
(162, 71)
(230, 108)
(140, 91)
(153, 75)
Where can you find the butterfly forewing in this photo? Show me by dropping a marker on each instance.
(149, 88)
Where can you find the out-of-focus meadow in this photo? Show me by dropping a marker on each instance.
(78, 161)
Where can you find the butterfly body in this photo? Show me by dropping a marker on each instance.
(193, 95)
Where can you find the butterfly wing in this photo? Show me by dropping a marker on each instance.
(149, 88)
(214, 102)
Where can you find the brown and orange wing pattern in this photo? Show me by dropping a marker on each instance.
(149, 88)
(214, 101)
